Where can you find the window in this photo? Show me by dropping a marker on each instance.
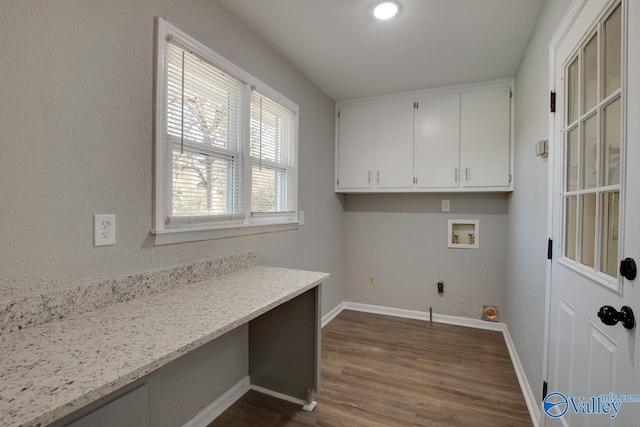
(203, 107)
(226, 146)
(273, 136)
(593, 144)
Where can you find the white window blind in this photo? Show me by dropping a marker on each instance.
(225, 148)
(273, 158)
(204, 127)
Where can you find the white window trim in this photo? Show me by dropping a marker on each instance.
(250, 224)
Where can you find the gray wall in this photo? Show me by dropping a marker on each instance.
(527, 223)
(76, 101)
(401, 240)
(76, 91)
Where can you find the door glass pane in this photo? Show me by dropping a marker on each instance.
(588, 219)
(589, 152)
(613, 52)
(572, 160)
(572, 92)
(570, 227)
(611, 148)
(590, 79)
(609, 243)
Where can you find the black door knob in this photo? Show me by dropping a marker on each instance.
(628, 268)
(610, 316)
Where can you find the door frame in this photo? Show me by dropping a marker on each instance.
(561, 32)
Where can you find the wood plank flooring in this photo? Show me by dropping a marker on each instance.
(388, 371)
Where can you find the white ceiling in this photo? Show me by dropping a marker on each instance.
(432, 43)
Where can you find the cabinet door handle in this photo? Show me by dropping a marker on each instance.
(456, 175)
(377, 177)
(467, 174)
(369, 181)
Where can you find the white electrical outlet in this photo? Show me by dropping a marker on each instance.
(446, 206)
(301, 218)
(104, 229)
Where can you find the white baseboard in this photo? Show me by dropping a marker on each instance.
(527, 392)
(332, 314)
(221, 404)
(421, 315)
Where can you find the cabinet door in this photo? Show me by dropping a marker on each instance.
(356, 133)
(394, 144)
(484, 138)
(437, 155)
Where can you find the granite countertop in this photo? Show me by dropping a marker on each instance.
(50, 370)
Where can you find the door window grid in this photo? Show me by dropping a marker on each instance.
(592, 147)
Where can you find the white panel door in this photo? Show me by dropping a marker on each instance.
(595, 218)
(394, 144)
(357, 135)
(484, 138)
(437, 146)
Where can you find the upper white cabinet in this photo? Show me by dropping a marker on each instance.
(376, 145)
(448, 140)
(437, 146)
(357, 133)
(394, 144)
(484, 138)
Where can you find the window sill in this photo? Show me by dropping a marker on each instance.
(196, 234)
(599, 278)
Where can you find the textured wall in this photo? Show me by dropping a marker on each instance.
(76, 100)
(401, 239)
(182, 388)
(527, 225)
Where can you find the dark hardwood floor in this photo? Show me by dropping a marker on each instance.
(388, 371)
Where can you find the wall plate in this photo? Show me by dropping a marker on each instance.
(104, 229)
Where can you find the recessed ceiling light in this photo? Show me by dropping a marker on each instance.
(386, 10)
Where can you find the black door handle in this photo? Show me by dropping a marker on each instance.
(628, 268)
(610, 316)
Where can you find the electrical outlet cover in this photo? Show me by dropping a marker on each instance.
(104, 229)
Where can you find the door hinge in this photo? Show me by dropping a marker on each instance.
(544, 389)
(552, 102)
(550, 249)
